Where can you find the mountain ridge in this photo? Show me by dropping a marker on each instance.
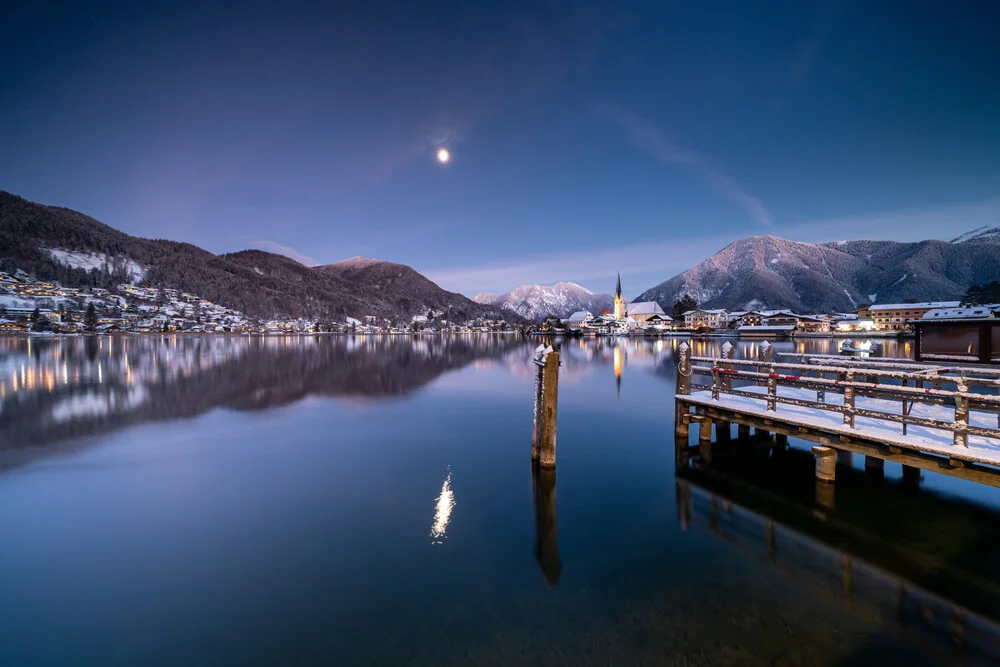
(772, 272)
(49, 240)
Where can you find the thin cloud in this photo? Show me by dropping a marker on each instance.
(272, 246)
(646, 265)
(648, 137)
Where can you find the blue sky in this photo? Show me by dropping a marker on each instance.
(585, 138)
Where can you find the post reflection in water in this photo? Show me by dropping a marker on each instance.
(443, 506)
(543, 483)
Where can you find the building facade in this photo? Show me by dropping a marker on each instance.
(894, 316)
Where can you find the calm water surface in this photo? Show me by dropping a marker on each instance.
(359, 501)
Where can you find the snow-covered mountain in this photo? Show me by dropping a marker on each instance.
(536, 302)
(771, 272)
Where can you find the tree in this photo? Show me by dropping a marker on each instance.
(3, 311)
(685, 304)
(977, 295)
(35, 314)
(166, 326)
(90, 319)
(42, 324)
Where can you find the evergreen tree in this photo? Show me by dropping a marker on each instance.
(3, 311)
(35, 314)
(685, 304)
(978, 295)
(90, 319)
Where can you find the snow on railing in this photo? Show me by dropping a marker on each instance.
(850, 382)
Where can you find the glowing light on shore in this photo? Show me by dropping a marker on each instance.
(443, 507)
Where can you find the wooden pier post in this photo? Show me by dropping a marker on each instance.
(845, 457)
(826, 463)
(911, 474)
(683, 389)
(743, 431)
(874, 466)
(543, 446)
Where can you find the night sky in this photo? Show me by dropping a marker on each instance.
(584, 138)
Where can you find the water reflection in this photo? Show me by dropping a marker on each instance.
(443, 506)
(62, 388)
(543, 483)
(914, 560)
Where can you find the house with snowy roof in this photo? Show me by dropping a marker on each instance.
(713, 319)
(895, 316)
(641, 311)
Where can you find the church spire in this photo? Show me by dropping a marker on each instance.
(619, 299)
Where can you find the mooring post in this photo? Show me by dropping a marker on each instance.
(911, 474)
(683, 389)
(536, 433)
(743, 431)
(550, 402)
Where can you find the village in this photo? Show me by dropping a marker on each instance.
(37, 307)
(647, 318)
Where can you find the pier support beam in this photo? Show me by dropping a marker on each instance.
(781, 439)
(723, 431)
(705, 430)
(911, 474)
(845, 458)
(826, 464)
(743, 431)
(874, 466)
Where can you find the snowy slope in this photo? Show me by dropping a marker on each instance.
(97, 260)
(536, 302)
(771, 272)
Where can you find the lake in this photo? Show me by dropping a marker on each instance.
(324, 500)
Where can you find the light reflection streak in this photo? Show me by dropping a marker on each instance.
(442, 511)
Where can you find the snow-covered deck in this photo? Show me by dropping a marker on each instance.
(918, 438)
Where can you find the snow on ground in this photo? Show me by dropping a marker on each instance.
(12, 301)
(983, 450)
(96, 260)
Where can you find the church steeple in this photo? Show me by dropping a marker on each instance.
(619, 299)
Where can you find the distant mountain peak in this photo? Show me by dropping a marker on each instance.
(985, 233)
(357, 262)
(537, 302)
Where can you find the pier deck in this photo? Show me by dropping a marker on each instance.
(910, 416)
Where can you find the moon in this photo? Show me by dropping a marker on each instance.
(443, 155)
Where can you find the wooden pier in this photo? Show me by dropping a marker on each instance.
(935, 418)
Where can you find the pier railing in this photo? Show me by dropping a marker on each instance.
(916, 385)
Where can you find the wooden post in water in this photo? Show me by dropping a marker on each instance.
(826, 474)
(743, 431)
(543, 447)
(826, 464)
(874, 466)
(683, 389)
(911, 475)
